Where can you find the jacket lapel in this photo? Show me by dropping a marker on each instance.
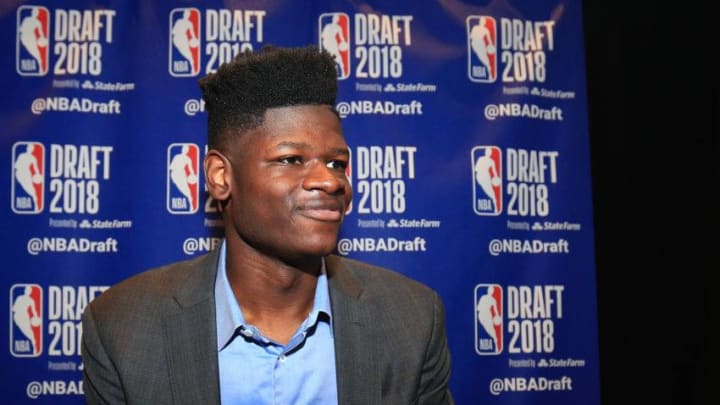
(357, 376)
(190, 338)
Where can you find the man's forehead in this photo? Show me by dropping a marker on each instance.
(295, 109)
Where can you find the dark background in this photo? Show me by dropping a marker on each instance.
(653, 100)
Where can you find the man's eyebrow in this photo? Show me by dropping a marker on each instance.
(290, 144)
(303, 146)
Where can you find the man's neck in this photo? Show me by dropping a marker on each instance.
(274, 296)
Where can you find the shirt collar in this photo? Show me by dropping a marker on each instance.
(229, 317)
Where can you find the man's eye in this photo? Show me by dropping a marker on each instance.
(337, 164)
(290, 160)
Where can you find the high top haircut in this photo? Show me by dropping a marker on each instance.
(238, 93)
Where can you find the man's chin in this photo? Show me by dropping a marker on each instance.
(306, 254)
(325, 250)
(321, 247)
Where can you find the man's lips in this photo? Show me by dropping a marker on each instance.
(330, 211)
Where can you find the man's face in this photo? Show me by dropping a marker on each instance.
(289, 191)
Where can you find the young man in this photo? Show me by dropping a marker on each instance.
(272, 317)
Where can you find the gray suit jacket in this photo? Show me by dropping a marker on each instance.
(151, 339)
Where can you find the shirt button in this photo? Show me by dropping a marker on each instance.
(281, 358)
(247, 332)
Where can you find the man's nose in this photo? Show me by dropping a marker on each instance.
(320, 177)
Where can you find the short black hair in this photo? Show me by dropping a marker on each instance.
(239, 92)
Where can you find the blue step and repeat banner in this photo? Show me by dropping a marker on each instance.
(468, 129)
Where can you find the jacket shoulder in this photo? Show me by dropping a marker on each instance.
(154, 288)
(378, 281)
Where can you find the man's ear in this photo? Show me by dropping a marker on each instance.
(218, 174)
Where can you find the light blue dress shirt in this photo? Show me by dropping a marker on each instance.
(256, 370)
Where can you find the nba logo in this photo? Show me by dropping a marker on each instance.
(26, 309)
(183, 163)
(28, 177)
(334, 33)
(482, 48)
(184, 51)
(32, 48)
(487, 182)
(488, 319)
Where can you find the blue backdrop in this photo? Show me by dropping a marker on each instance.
(468, 130)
